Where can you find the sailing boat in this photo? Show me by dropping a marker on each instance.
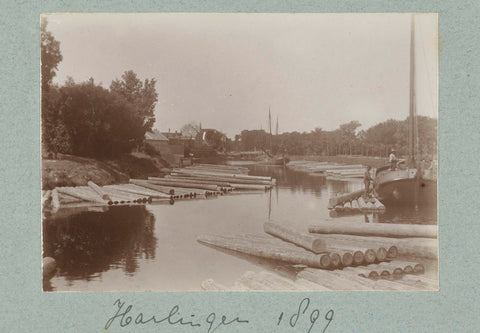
(269, 158)
(407, 185)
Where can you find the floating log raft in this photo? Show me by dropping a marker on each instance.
(138, 190)
(417, 247)
(99, 191)
(376, 229)
(192, 182)
(210, 285)
(260, 249)
(331, 280)
(81, 193)
(222, 178)
(304, 240)
(219, 174)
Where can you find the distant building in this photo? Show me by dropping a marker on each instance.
(172, 146)
(156, 140)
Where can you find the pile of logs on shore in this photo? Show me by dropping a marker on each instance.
(199, 181)
(335, 257)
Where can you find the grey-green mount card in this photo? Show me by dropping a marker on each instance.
(239, 166)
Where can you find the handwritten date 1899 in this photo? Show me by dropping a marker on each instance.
(296, 317)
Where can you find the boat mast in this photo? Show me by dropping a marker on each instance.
(270, 125)
(412, 119)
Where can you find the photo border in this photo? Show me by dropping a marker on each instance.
(27, 309)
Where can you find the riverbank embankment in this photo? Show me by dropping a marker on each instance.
(70, 170)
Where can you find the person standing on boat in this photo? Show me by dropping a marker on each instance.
(367, 179)
(393, 160)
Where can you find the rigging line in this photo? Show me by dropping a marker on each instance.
(428, 74)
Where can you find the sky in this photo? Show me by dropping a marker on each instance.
(227, 70)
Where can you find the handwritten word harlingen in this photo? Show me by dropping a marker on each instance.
(126, 317)
(314, 315)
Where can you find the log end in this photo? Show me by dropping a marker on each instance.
(392, 252)
(358, 257)
(373, 275)
(381, 254)
(408, 269)
(318, 246)
(370, 256)
(397, 273)
(324, 261)
(419, 269)
(385, 275)
(335, 260)
(347, 259)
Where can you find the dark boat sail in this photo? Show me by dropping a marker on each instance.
(407, 184)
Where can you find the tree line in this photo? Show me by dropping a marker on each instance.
(377, 140)
(85, 119)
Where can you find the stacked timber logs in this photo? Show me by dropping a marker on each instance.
(203, 180)
(398, 239)
(333, 261)
(300, 248)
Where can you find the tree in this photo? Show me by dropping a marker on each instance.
(190, 130)
(143, 96)
(99, 123)
(54, 136)
(50, 55)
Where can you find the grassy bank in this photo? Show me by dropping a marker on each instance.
(374, 162)
(69, 170)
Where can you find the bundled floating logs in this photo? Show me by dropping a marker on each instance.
(376, 229)
(270, 251)
(418, 247)
(138, 190)
(221, 174)
(222, 178)
(210, 285)
(304, 240)
(331, 281)
(82, 193)
(191, 182)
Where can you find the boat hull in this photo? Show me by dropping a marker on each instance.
(404, 188)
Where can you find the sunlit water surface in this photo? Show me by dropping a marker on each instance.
(155, 248)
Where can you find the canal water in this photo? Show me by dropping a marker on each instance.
(155, 248)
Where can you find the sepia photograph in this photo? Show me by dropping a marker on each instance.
(239, 152)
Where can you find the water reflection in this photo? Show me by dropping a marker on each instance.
(89, 243)
(293, 180)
